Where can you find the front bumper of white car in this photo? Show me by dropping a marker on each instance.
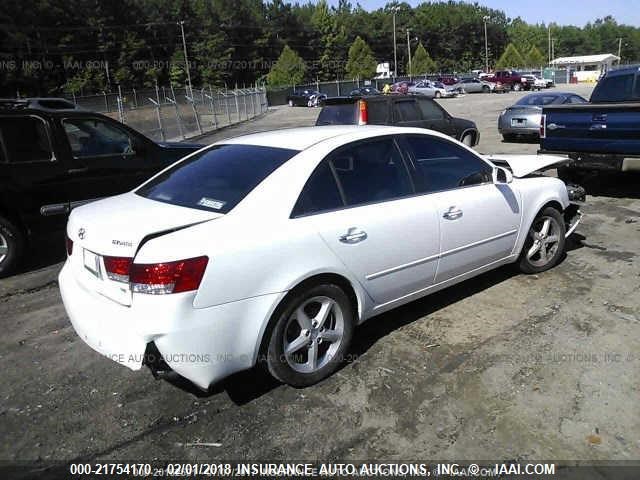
(203, 345)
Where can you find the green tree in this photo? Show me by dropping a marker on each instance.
(361, 63)
(535, 58)
(288, 70)
(510, 58)
(421, 62)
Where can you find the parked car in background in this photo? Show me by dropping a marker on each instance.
(431, 89)
(523, 118)
(274, 247)
(534, 82)
(300, 98)
(364, 91)
(602, 134)
(54, 156)
(474, 85)
(402, 87)
(316, 100)
(509, 78)
(448, 79)
(397, 110)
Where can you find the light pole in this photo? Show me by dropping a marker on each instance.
(395, 53)
(186, 60)
(486, 45)
(409, 50)
(619, 50)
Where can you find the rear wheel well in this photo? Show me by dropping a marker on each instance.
(323, 278)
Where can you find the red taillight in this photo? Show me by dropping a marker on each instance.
(363, 114)
(169, 277)
(118, 268)
(543, 126)
(69, 244)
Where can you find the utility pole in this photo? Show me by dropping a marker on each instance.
(619, 50)
(549, 47)
(186, 59)
(486, 45)
(395, 53)
(553, 48)
(409, 50)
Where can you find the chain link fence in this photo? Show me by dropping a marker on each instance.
(173, 114)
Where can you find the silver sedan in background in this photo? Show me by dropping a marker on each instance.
(474, 85)
(430, 89)
(523, 118)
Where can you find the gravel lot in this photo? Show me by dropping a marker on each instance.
(504, 366)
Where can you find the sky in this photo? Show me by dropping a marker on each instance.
(564, 12)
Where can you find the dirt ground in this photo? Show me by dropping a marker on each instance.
(504, 366)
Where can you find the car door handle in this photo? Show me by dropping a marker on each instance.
(453, 213)
(353, 235)
(78, 170)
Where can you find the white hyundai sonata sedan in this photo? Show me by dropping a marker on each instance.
(273, 247)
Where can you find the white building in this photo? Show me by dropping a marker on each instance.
(383, 71)
(586, 68)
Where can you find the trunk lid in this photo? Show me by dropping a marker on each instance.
(116, 227)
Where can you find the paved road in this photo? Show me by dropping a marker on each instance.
(500, 367)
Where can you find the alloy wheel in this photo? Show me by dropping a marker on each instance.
(313, 334)
(4, 247)
(545, 233)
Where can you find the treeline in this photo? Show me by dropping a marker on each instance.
(49, 47)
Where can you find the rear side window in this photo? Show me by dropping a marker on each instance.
(319, 194)
(338, 114)
(407, 111)
(442, 165)
(217, 179)
(370, 171)
(25, 139)
(430, 110)
(613, 89)
(377, 112)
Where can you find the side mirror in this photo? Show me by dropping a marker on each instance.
(502, 175)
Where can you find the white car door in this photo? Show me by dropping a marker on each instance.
(385, 236)
(479, 220)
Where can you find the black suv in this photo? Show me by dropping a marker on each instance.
(397, 110)
(55, 156)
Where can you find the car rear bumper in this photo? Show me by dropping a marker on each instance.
(203, 345)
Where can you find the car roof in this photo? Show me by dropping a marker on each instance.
(301, 138)
(622, 71)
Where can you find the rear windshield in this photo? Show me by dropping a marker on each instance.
(217, 179)
(617, 88)
(338, 114)
(537, 100)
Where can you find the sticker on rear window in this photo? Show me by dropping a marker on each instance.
(211, 203)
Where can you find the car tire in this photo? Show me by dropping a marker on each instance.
(544, 245)
(290, 351)
(12, 243)
(486, 89)
(437, 95)
(467, 139)
(508, 137)
(290, 102)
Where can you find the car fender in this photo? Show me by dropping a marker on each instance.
(537, 192)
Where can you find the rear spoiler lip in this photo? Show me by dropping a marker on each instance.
(64, 208)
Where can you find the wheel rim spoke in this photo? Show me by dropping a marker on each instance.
(303, 319)
(4, 249)
(323, 313)
(533, 250)
(551, 239)
(545, 227)
(296, 344)
(312, 360)
(330, 336)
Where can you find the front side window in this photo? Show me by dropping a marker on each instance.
(92, 137)
(216, 179)
(24, 139)
(442, 165)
